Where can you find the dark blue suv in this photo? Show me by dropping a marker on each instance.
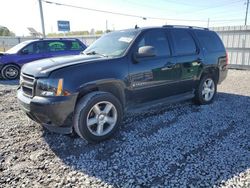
(12, 60)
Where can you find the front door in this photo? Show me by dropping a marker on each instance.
(153, 78)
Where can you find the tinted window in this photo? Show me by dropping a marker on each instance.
(158, 40)
(210, 41)
(74, 45)
(183, 42)
(56, 46)
(35, 48)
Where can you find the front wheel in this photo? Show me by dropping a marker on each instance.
(97, 116)
(206, 90)
(10, 72)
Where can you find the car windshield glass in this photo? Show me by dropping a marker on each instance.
(113, 44)
(16, 48)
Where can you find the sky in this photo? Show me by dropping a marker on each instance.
(17, 15)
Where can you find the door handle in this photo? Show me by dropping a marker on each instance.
(168, 66)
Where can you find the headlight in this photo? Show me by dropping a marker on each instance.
(50, 87)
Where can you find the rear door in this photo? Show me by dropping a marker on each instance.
(188, 56)
(214, 51)
(153, 78)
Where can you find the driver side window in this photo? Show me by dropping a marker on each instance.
(34, 48)
(28, 49)
(156, 39)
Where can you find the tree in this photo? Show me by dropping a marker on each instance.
(99, 32)
(4, 31)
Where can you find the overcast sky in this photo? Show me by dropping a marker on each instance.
(17, 15)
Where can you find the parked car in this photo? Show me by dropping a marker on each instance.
(12, 60)
(123, 71)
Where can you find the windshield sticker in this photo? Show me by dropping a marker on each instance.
(125, 39)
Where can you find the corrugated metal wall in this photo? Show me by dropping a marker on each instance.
(237, 42)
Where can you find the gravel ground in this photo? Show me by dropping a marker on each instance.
(181, 145)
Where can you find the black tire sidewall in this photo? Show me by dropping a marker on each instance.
(8, 66)
(198, 97)
(84, 110)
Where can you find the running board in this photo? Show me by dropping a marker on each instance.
(156, 103)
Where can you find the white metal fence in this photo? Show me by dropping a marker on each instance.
(237, 42)
(235, 38)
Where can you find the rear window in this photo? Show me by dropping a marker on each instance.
(210, 41)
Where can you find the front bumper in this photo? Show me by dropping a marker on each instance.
(55, 113)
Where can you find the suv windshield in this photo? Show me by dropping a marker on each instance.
(112, 44)
(18, 47)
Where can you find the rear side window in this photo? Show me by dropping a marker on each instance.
(183, 42)
(210, 41)
(74, 46)
(55, 46)
(158, 40)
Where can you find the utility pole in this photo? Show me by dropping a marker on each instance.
(42, 19)
(246, 12)
(208, 22)
(106, 26)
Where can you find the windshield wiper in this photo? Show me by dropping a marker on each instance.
(94, 53)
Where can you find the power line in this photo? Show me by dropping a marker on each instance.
(214, 7)
(129, 15)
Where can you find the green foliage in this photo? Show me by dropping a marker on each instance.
(4, 31)
(99, 32)
(72, 33)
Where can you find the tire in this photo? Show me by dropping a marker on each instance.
(10, 72)
(206, 90)
(97, 116)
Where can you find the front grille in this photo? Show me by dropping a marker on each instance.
(27, 84)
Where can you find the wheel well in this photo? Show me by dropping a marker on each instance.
(213, 71)
(113, 88)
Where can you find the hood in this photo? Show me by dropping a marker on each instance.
(42, 68)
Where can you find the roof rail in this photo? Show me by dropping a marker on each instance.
(59, 38)
(185, 26)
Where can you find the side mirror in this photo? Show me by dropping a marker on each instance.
(146, 51)
(25, 52)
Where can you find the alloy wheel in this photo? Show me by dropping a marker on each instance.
(101, 118)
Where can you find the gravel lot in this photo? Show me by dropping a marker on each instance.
(181, 145)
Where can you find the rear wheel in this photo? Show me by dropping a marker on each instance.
(97, 116)
(206, 90)
(10, 72)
